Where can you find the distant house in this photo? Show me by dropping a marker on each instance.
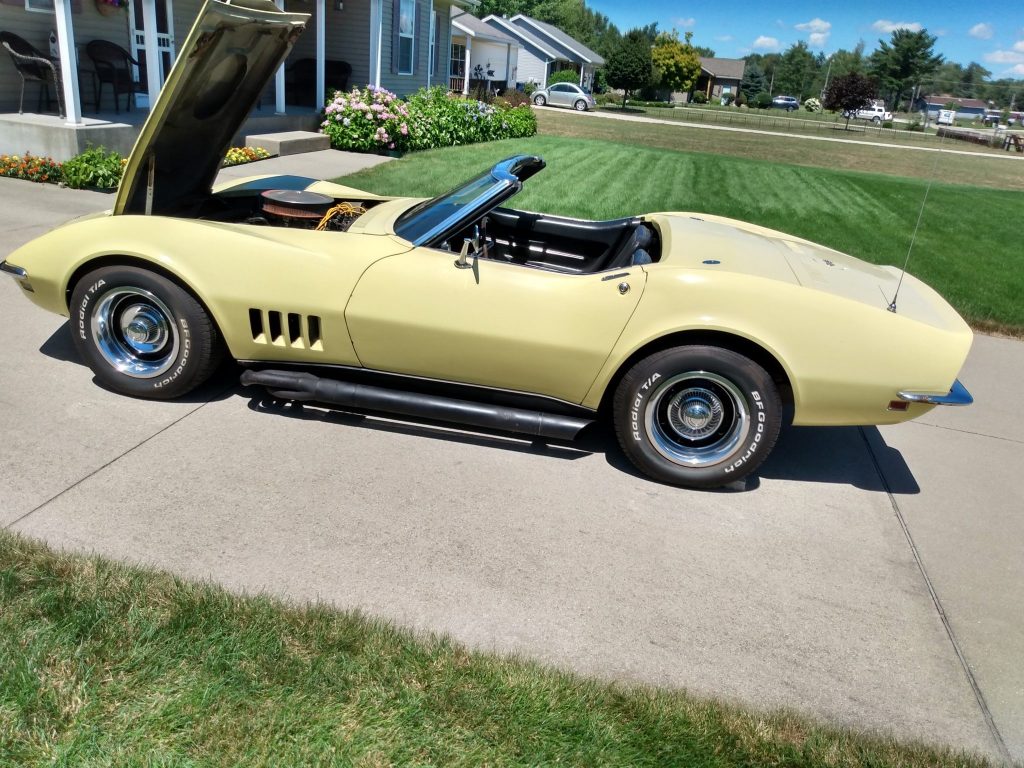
(480, 52)
(401, 45)
(964, 107)
(544, 49)
(719, 77)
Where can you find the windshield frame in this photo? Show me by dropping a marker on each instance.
(419, 227)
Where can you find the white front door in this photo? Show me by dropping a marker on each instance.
(164, 36)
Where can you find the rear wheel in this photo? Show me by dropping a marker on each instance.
(141, 334)
(876, 119)
(580, 105)
(540, 101)
(697, 416)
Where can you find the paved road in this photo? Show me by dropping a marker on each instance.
(784, 134)
(869, 577)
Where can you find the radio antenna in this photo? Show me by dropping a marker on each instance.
(920, 215)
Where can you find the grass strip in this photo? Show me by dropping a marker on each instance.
(106, 664)
(962, 249)
(999, 170)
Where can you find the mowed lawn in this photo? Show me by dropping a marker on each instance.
(967, 248)
(107, 665)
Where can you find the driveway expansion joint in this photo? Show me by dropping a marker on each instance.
(997, 737)
(10, 526)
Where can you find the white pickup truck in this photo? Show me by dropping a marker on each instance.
(875, 113)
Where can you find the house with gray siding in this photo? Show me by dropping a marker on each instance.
(401, 45)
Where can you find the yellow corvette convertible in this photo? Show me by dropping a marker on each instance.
(696, 336)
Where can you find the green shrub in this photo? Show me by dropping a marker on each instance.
(915, 125)
(94, 168)
(699, 97)
(373, 119)
(31, 168)
(366, 119)
(563, 76)
(763, 100)
(812, 105)
(529, 87)
(512, 98)
(740, 99)
(887, 124)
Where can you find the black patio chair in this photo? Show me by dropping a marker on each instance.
(113, 65)
(33, 65)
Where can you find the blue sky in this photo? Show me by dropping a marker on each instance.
(989, 33)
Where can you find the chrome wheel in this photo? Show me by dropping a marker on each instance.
(697, 419)
(135, 332)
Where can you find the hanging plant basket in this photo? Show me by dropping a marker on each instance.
(107, 9)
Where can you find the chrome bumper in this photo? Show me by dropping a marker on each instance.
(16, 272)
(958, 395)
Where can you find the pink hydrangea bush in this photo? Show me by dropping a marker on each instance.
(366, 119)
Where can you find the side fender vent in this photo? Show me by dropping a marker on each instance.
(282, 329)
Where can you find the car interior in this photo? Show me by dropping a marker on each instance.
(559, 244)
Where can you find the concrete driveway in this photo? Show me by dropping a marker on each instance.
(869, 577)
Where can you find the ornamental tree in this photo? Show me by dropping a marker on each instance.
(630, 67)
(676, 63)
(848, 93)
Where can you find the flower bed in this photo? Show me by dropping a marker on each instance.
(373, 119)
(242, 155)
(30, 168)
(95, 168)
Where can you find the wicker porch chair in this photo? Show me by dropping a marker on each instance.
(33, 65)
(113, 65)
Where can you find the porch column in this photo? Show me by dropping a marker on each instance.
(469, 61)
(153, 81)
(508, 67)
(431, 39)
(279, 77)
(581, 74)
(321, 52)
(68, 63)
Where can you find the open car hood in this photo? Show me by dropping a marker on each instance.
(234, 48)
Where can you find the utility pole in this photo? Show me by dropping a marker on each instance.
(827, 74)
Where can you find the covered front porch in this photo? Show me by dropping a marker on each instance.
(82, 102)
(50, 135)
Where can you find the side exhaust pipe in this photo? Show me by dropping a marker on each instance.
(289, 385)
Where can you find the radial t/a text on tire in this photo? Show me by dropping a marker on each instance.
(142, 334)
(697, 416)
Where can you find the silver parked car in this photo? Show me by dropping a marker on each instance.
(564, 95)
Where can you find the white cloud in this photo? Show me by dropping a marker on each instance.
(723, 38)
(886, 26)
(819, 31)
(981, 31)
(1019, 46)
(1018, 70)
(684, 23)
(1005, 57)
(765, 43)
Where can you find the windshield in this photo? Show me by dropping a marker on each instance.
(433, 218)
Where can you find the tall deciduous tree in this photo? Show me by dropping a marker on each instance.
(676, 63)
(904, 62)
(848, 93)
(797, 69)
(630, 67)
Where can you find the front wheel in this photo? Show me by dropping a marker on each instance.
(876, 120)
(580, 105)
(698, 416)
(540, 101)
(142, 334)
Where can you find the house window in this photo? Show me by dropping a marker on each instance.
(406, 36)
(458, 60)
(39, 6)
